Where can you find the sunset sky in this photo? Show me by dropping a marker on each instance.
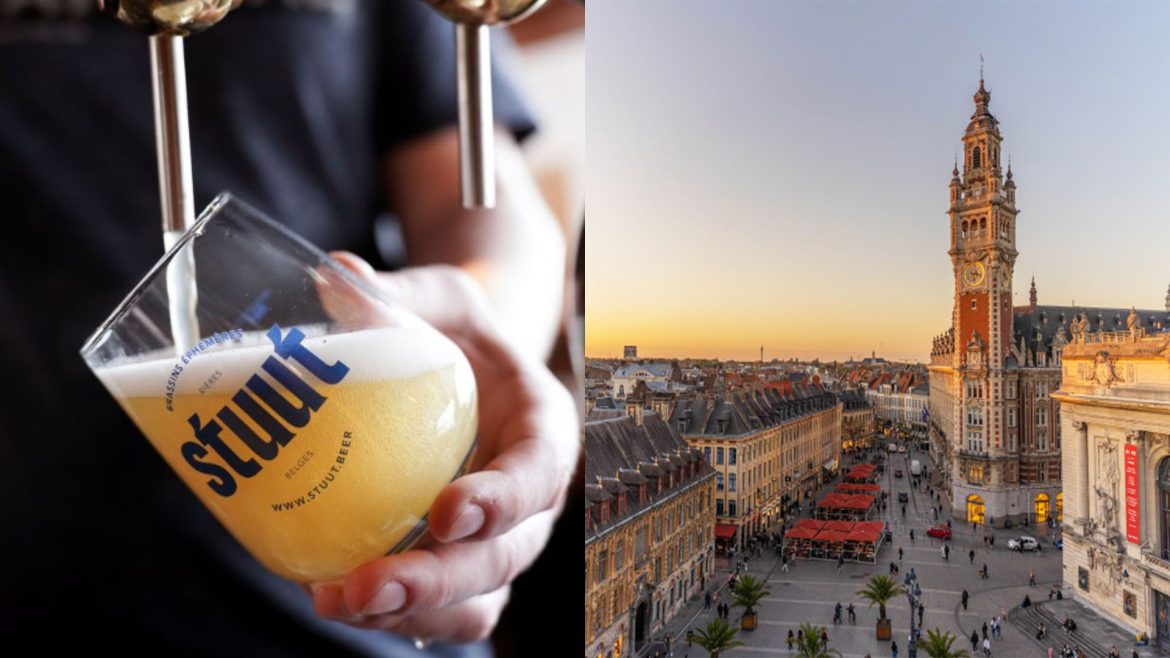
(776, 173)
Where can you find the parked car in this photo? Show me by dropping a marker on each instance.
(897, 472)
(1023, 543)
(903, 497)
(939, 531)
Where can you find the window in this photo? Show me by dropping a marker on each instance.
(975, 473)
(707, 454)
(1012, 441)
(600, 570)
(976, 158)
(1011, 390)
(731, 507)
(719, 507)
(640, 542)
(1042, 416)
(975, 389)
(657, 570)
(974, 416)
(731, 457)
(719, 456)
(1042, 440)
(973, 305)
(718, 482)
(975, 442)
(1011, 417)
(731, 482)
(1042, 389)
(1041, 472)
(619, 556)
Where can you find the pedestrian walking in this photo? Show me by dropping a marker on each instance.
(899, 553)
(984, 630)
(1031, 579)
(893, 649)
(943, 552)
(792, 638)
(965, 595)
(986, 648)
(974, 641)
(947, 552)
(784, 565)
(921, 612)
(971, 555)
(707, 601)
(991, 540)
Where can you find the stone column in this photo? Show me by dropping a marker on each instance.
(1083, 487)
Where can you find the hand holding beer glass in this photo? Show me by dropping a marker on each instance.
(323, 426)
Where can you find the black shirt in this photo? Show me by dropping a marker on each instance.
(292, 107)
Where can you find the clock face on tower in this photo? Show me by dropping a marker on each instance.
(973, 274)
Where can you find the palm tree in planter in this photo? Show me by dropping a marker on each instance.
(810, 644)
(879, 590)
(748, 593)
(716, 637)
(937, 644)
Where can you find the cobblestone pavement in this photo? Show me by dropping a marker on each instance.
(811, 588)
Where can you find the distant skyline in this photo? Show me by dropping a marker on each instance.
(776, 173)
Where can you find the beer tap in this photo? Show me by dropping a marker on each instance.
(477, 169)
(167, 22)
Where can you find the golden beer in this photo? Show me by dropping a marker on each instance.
(317, 453)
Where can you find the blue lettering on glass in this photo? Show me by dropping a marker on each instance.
(297, 415)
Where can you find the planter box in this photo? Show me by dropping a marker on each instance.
(883, 629)
(748, 622)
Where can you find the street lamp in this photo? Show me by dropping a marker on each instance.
(913, 593)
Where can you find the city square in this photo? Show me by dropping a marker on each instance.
(810, 589)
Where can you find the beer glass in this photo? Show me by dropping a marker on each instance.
(317, 421)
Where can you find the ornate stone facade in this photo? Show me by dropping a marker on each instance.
(649, 530)
(1115, 397)
(769, 451)
(993, 426)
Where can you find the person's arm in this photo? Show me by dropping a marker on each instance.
(515, 251)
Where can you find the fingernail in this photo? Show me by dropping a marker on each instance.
(468, 523)
(391, 597)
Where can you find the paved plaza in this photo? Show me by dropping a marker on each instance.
(811, 588)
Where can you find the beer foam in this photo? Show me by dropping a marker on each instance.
(372, 354)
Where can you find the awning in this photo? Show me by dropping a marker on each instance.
(724, 531)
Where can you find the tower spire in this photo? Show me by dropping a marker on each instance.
(1032, 294)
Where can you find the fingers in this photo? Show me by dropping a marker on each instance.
(537, 452)
(468, 621)
(428, 579)
(444, 296)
